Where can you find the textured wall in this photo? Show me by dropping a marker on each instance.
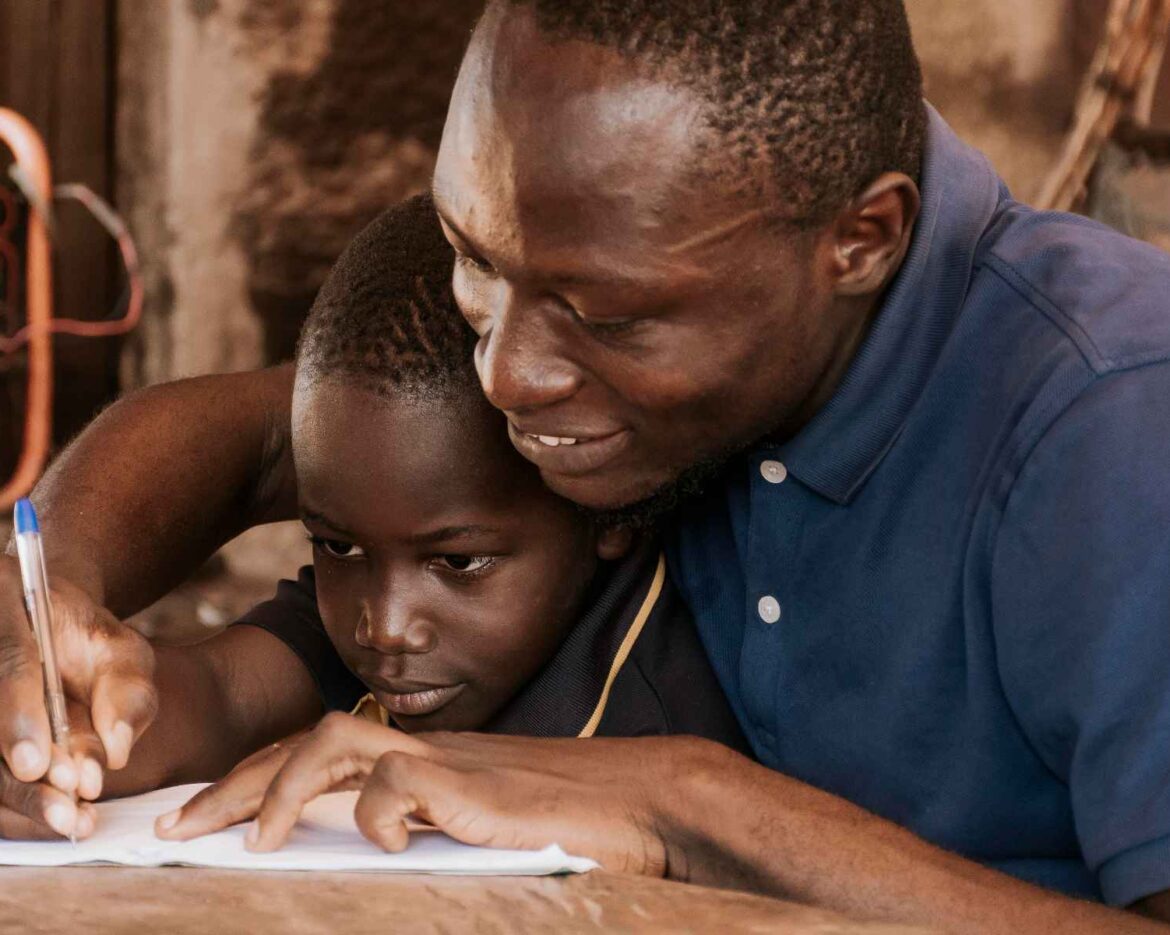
(256, 136)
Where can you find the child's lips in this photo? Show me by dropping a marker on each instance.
(417, 701)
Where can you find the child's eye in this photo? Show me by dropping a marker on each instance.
(475, 263)
(335, 548)
(465, 564)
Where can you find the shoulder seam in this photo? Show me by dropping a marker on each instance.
(1034, 296)
(1098, 361)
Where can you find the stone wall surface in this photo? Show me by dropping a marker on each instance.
(255, 137)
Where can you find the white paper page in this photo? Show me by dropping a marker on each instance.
(325, 839)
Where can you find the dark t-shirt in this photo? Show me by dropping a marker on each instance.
(632, 666)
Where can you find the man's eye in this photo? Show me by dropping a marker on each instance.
(335, 548)
(464, 564)
(608, 328)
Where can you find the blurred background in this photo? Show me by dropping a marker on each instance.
(245, 141)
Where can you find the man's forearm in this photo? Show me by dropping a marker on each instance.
(163, 478)
(730, 822)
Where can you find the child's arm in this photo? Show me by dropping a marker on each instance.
(219, 701)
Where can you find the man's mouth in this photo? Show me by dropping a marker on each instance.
(569, 454)
(413, 700)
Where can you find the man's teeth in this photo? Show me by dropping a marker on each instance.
(553, 441)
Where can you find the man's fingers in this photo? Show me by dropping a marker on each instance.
(63, 773)
(43, 804)
(339, 749)
(17, 827)
(124, 702)
(24, 724)
(233, 799)
(88, 752)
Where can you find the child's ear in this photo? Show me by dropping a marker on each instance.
(614, 542)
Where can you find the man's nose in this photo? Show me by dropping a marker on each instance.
(520, 359)
(393, 625)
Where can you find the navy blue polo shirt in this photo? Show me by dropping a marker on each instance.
(947, 599)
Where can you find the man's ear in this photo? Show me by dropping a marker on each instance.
(614, 542)
(872, 234)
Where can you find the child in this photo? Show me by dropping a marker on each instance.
(448, 583)
(451, 584)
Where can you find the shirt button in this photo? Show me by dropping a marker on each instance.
(774, 472)
(769, 609)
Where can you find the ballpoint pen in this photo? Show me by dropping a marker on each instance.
(31, 555)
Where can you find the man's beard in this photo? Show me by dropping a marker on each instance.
(687, 486)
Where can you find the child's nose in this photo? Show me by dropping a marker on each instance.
(393, 629)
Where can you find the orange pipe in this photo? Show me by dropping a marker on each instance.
(26, 145)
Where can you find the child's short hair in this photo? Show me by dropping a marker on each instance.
(386, 316)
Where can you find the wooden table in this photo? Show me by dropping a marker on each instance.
(181, 901)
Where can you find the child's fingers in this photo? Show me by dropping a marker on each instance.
(382, 809)
(233, 799)
(339, 749)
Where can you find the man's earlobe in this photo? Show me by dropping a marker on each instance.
(873, 234)
(614, 542)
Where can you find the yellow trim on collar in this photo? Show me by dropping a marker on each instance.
(369, 709)
(628, 642)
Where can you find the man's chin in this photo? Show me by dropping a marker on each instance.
(602, 491)
(637, 503)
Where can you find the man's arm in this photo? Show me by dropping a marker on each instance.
(679, 807)
(163, 478)
(145, 494)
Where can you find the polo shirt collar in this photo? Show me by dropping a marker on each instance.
(846, 440)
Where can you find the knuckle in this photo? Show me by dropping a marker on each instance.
(143, 701)
(391, 767)
(18, 658)
(333, 724)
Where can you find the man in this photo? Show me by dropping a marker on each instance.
(725, 238)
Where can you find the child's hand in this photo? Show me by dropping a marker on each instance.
(338, 754)
(277, 782)
(233, 799)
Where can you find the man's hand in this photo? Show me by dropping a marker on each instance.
(107, 671)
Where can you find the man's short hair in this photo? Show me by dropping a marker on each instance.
(824, 95)
(386, 317)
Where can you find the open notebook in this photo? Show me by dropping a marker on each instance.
(325, 839)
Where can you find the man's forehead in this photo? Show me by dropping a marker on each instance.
(574, 155)
(558, 118)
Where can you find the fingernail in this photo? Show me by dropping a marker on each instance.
(63, 776)
(121, 740)
(252, 836)
(124, 735)
(86, 821)
(91, 778)
(27, 760)
(61, 818)
(168, 821)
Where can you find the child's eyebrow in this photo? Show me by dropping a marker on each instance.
(448, 533)
(324, 520)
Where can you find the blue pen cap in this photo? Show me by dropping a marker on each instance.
(25, 517)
